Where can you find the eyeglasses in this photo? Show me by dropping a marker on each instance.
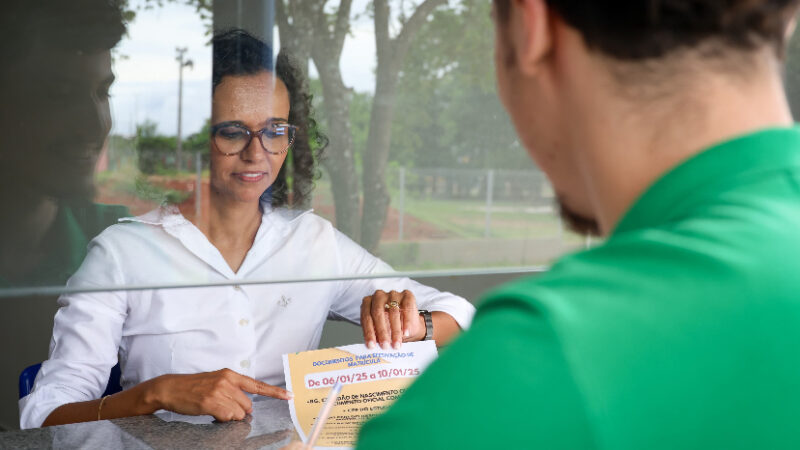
(232, 138)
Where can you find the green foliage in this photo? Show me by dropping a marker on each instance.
(155, 150)
(199, 142)
(202, 7)
(360, 110)
(148, 191)
(447, 112)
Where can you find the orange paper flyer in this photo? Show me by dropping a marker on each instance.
(372, 380)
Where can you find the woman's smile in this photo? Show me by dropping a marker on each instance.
(250, 177)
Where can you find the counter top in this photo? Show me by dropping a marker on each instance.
(269, 427)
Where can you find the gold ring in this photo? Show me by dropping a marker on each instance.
(391, 305)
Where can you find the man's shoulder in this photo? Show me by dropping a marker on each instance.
(648, 268)
(93, 218)
(611, 265)
(107, 212)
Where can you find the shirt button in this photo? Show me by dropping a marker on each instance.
(245, 363)
(244, 322)
(237, 288)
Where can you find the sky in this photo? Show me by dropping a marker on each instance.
(146, 86)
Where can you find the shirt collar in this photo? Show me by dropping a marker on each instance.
(169, 216)
(706, 174)
(165, 215)
(275, 224)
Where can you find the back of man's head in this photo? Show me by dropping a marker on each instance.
(607, 96)
(643, 29)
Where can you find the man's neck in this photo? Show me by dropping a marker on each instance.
(630, 147)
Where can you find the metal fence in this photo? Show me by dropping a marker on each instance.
(528, 186)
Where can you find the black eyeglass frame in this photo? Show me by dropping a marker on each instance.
(292, 131)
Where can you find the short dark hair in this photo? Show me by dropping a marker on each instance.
(236, 53)
(77, 25)
(642, 29)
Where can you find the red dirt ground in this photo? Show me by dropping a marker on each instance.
(413, 228)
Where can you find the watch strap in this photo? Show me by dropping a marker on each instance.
(426, 315)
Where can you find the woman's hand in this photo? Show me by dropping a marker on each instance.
(220, 394)
(390, 318)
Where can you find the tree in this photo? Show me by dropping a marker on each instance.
(447, 111)
(315, 30)
(391, 54)
(309, 32)
(153, 149)
(310, 27)
(199, 142)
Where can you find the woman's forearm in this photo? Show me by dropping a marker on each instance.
(136, 401)
(445, 327)
(221, 394)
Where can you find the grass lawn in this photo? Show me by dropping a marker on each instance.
(467, 219)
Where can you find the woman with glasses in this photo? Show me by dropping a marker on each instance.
(200, 350)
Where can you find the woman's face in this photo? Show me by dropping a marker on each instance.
(254, 102)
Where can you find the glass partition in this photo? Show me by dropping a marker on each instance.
(409, 153)
(116, 134)
(394, 138)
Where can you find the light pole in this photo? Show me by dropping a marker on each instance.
(181, 64)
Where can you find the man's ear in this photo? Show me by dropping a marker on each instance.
(531, 30)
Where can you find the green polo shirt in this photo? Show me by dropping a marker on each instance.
(681, 331)
(66, 242)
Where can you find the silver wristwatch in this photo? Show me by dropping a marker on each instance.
(428, 324)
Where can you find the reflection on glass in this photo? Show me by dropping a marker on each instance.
(248, 233)
(55, 119)
(54, 125)
(422, 166)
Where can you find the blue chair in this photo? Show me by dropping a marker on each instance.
(28, 375)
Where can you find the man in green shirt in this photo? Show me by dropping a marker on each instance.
(666, 129)
(54, 120)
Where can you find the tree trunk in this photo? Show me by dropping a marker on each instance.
(391, 52)
(338, 159)
(297, 41)
(304, 29)
(376, 194)
(297, 37)
(304, 21)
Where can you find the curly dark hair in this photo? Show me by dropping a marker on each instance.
(642, 29)
(236, 52)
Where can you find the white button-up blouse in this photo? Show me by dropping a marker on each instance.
(245, 328)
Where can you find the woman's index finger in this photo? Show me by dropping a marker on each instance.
(254, 386)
